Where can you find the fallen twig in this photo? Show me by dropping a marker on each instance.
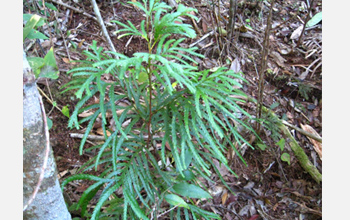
(306, 209)
(196, 27)
(48, 99)
(302, 131)
(161, 214)
(202, 38)
(101, 22)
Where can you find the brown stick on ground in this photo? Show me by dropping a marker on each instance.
(104, 30)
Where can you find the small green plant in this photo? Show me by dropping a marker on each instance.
(285, 156)
(270, 123)
(304, 90)
(175, 113)
(281, 143)
(42, 67)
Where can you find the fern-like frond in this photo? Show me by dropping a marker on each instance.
(103, 198)
(74, 117)
(129, 29)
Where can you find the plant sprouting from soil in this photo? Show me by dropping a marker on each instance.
(174, 113)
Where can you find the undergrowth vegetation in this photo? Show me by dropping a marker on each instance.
(177, 121)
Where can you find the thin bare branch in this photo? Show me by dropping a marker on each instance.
(101, 22)
(302, 131)
(264, 56)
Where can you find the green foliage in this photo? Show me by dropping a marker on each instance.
(304, 90)
(190, 190)
(48, 5)
(42, 67)
(314, 20)
(49, 122)
(269, 123)
(189, 113)
(65, 111)
(29, 31)
(285, 157)
(176, 200)
(281, 144)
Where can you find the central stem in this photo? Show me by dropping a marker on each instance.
(150, 105)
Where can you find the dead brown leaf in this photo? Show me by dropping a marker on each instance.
(81, 43)
(65, 59)
(224, 198)
(222, 169)
(85, 114)
(100, 132)
(317, 145)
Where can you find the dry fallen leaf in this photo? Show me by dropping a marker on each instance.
(224, 198)
(235, 66)
(244, 211)
(256, 216)
(207, 63)
(278, 58)
(204, 26)
(317, 145)
(296, 33)
(100, 132)
(126, 123)
(222, 169)
(65, 59)
(216, 190)
(81, 43)
(85, 114)
(46, 44)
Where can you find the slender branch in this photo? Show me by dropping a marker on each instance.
(101, 22)
(47, 150)
(306, 20)
(161, 214)
(202, 38)
(150, 104)
(48, 99)
(265, 53)
(231, 24)
(64, 39)
(303, 131)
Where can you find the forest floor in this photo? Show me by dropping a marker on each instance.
(268, 188)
